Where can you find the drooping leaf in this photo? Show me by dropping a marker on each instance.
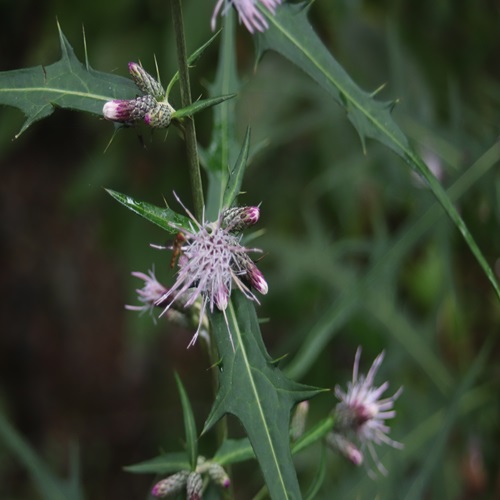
(254, 390)
(164, 464)
(189, 424)
(162, 217)
(291, 35)
(68, 83)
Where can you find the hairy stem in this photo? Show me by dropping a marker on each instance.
(189, 127)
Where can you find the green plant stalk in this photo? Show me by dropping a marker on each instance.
(189, 127)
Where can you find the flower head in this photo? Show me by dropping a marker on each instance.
(361, 410)
(212, 260)
(151, 292)
(248, 12)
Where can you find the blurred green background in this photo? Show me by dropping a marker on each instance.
(357, 253)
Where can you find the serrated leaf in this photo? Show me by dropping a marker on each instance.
(236, 175)
(291, 35)
(189, 424)
(68, 83)
(200, 105)
(162, 217)
(254, 390)
(164, 464)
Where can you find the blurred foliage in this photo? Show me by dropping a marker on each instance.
(355, 246)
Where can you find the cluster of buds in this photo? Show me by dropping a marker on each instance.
(192, 481)
(362, 414)
(152, 108)
(211, 261)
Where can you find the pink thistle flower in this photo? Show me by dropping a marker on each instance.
(248, 12)
(212, 260)
(151, 292)
(363, 412)
(129, 110)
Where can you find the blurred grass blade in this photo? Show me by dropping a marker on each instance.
(68, 83)
(318, 480)
(162, 217)
(189, 424)
(49, 487)
(291, 35)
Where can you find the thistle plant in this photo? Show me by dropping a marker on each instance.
(216, 290)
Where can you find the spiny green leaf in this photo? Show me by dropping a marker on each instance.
(200, 105)
(258, 394)
(162, 217)
(291, 35)
(164, 464)
(67, 83)
(189, 424)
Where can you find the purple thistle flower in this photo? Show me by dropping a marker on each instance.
(151, 292)
(248, 12)
(212, 260)
(362, 411)
(129, 110)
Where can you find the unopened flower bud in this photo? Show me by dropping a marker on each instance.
(160, 115)
(145, 81)
(194, 486)
(256, 279)
(238, 218)
(129, 110)
(339, 443)
(170, 486)
(299, 418)
(218, 475)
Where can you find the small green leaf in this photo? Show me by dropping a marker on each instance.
(258, 394)
(162, 217)
(189, 424)
(67, 84)
(233, 451)
(191, 60)
(200, 105)
(236, 175)
(164, 464)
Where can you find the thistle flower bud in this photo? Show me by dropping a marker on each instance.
(170, 486)
(256, 278)
(218, 475)
(194, 486)
(339, 443)
(145, 81)
(160, 115)
(238, 218)
(129, 110)
(299, 418)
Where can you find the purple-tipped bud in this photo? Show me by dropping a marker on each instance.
(218, 475)
(256, 279)
(238, 218)
(339, 443)
(128, 111)
(170, 486)
(221, 298)
(145, 81)
(299, 418)
(194, 486)
(160, 116)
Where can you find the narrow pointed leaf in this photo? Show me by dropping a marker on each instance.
(236, 175)
(200, 105)
(162, 217)
(68, 83)
(291, 35)
(258, 394)
(164, 464)
(233, 451)
(189, 424)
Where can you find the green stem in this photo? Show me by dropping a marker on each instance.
(189, 128)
